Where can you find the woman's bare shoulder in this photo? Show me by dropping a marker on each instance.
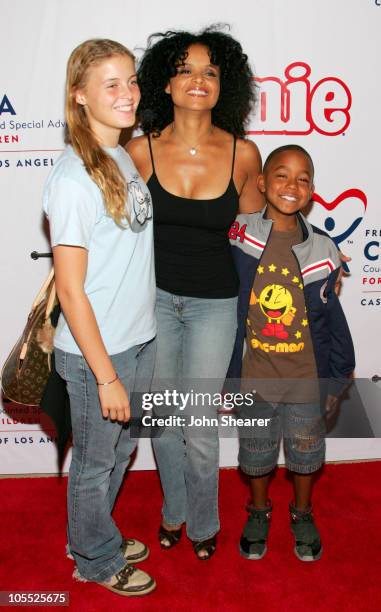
(248, 153)
(137, 146)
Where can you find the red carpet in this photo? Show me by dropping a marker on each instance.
(347, 508)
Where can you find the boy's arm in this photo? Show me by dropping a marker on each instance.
(342, 354)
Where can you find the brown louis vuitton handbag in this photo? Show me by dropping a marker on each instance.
(27, 368)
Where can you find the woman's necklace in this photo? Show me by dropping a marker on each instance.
(192, 150)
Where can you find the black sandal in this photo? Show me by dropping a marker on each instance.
(173, 537)
(209, 546)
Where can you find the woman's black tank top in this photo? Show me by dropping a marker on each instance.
(192, 251)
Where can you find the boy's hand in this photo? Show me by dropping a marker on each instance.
(331, 406)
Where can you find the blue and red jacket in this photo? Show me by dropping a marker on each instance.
(319, 266)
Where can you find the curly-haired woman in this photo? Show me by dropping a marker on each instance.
(197, 92)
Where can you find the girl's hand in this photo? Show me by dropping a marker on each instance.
(114, 402)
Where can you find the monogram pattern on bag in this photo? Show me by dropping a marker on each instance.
(23, 381)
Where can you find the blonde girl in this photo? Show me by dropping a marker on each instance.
(101, 236)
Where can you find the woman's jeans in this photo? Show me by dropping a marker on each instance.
(100, 455)
(195, 343)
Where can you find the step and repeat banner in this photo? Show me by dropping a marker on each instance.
(317, 68)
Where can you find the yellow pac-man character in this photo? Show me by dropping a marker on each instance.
(275, 301)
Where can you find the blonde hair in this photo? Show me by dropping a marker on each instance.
(100, 166)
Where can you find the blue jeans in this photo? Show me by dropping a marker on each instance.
(100, 455)
(195, 341)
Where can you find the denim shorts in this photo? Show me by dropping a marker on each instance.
(302, 429)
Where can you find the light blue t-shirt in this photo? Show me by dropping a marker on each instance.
(120, 279)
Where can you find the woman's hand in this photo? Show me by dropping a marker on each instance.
(114, 402)
(344, 259)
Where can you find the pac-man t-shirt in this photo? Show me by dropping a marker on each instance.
(279, 353)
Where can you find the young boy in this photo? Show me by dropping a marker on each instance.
(298, 345)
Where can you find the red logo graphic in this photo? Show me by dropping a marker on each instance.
(337, 221)
(294, 106)
(348, 194)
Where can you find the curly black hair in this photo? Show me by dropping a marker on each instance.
(159, 64)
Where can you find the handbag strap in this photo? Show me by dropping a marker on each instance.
(51, 298)
(41, 294)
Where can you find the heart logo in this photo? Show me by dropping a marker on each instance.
(340, 217)
(349, 193)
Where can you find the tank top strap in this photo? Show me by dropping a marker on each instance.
(151, 154)
(234, 148)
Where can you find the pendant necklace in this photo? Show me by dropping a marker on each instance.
(192, 150)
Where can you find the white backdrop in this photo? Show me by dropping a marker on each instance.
(317, 64)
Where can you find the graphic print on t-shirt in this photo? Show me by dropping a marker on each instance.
(278, 340)
(275, 301)
(280, 311)
(141, 201)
